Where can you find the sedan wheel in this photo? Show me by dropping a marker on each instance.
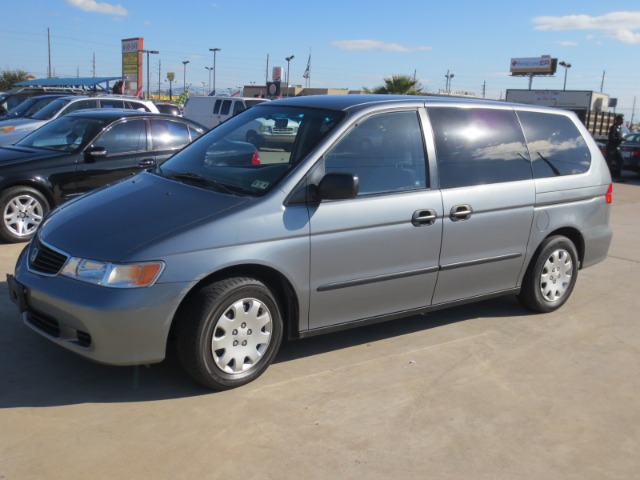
(228, 332)
(23, 209)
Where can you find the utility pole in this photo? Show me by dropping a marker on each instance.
(94, 65)
(484, 88)
(602, 82)
(159, 70)
(633, 112)
(49, 49)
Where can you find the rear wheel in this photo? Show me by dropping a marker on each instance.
(229, 332)
(23, 209)
(551, 275)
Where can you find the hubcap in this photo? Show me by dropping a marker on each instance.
(22, 215)
(241, 336)
(556, 275)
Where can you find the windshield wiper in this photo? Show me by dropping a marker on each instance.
(200, 179)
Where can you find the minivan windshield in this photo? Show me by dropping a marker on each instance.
(250, 153)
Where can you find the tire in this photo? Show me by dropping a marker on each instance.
(551, 276)
(23, 209)
(228, 333)
(254, 139)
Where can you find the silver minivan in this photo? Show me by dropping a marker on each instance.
(383, 207)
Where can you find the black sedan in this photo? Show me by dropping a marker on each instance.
(630, 151)
(77, 153)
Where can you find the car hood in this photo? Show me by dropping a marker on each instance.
(11, 155)
(19, 124)
(112, 222)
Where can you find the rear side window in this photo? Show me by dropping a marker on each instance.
(166, 134)
(137, 106)
(111, 103)
(124, 137)
(477, 146)
(555, 144)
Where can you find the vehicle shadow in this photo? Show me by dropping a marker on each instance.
(37, 373)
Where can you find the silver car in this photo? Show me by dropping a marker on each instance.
(461, 200)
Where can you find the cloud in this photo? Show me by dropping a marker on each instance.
(621, 26)
(375, 45)
(568, 43)
(95, 7)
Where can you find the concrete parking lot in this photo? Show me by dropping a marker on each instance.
(485, 391)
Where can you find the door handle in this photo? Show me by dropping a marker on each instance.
(147, 162)
(460, 212)
(421, 218)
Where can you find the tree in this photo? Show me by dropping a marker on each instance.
(117, 87)
(9, 77)
(398, 85)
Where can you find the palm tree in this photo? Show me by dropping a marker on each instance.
(399, 85)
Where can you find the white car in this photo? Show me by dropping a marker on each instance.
(270, 132)
(13, 130)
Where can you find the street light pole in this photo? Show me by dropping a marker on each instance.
(155, 52)
(288, 59)
(448, 76)
(566, 66)
(210, 69)
(214, 50)
(184, 78)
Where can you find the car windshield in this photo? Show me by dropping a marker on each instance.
(30, 106)
(50, 110)
(250, 153)
(65, 134)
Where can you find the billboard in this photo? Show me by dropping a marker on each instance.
(132, 65)
(544, 65)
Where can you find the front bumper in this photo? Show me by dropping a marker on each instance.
(107, 325)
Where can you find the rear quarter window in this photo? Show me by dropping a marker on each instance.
(556, 146)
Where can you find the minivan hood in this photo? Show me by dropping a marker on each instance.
(111, 222)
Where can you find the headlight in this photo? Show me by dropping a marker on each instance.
(130, 275)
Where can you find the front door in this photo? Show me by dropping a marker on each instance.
(376, 254)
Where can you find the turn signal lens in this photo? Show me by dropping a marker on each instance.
(609, 196)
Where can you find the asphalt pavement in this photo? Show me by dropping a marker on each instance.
(483, 391)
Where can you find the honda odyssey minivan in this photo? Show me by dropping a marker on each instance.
(460, 200)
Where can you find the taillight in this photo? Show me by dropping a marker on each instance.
(635, 153)
(255, 160)
(609, 196)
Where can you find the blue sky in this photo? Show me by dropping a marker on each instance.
(353, 44)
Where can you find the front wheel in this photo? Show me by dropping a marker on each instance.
(551, 275)
(228, 332)
(23, 209)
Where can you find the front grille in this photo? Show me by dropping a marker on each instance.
(44, 259)
(283, 131)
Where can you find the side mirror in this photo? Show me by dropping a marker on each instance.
(338, 186)
(93, 153)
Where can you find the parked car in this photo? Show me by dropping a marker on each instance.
(29, 107)
(13, 130)
(77, 153)
(15, 96)
(212, 111)
(270, 132)
(630, 151)
(169, 108)
(464, 200)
